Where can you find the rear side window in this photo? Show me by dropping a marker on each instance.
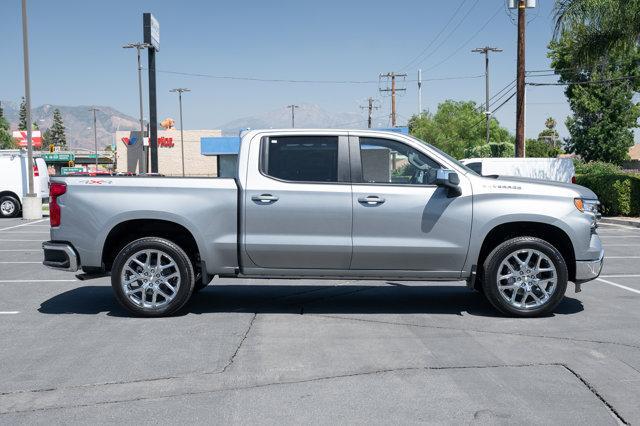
(301, 158)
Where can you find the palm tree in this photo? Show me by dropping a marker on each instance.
(599, 25)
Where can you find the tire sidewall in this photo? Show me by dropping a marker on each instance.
(16, 204)
(183, 264)
(496, 257)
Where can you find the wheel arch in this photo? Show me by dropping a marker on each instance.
(545, 231)
(130, 230)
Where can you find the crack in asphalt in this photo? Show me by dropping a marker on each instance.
(615, 413)
(442, 327)
(235, 353)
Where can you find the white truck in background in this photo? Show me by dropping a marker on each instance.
(555, 169)
(14, 181)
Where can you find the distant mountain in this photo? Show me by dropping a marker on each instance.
(307, 115)
(78, 121)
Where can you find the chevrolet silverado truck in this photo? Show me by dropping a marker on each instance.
(328, 204)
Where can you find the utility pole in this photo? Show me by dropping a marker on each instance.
(369, 107)
(419, 92)
(180, 91)
(393, 90)
(520, 85)
(32, 204)
(139, 47)
(293, 114)
(485, 50)
(95, 133)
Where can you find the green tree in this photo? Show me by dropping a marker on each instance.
(458, 128)
(22, 123)
(6, 140)
(600, 27)
(56, 133)
(601, 98)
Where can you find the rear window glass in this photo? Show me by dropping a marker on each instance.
(302, 158)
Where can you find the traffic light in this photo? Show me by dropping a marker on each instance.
(52, 147)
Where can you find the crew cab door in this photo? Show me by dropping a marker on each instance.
(298, 212)
(402, 220)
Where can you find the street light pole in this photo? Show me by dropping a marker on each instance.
(485, 50)
(181, 90)
(138, 47)
(32, 205)
(95, 134)
(293, 114)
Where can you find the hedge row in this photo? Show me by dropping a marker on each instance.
(618, 192)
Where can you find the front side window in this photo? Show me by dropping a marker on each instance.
(389, 161)
(301, 158)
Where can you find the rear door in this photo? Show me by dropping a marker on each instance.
(402, 220)
(298, 212)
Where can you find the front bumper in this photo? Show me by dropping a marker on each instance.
(587, 270)
(60, 255)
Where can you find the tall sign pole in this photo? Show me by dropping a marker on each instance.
(32, 204)
(152, 37)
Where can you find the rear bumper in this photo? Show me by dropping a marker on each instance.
(59, 255)
(587, 270)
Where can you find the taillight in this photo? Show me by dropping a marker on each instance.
(36, 173)
(573, 179)
(55, 190)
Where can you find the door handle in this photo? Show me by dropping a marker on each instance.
(265, 198)
(371, 200)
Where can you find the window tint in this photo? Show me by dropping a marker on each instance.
(302, 158)
(388, 161)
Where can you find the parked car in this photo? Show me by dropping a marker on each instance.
(14, 183)
(328, 204)
(557, 169)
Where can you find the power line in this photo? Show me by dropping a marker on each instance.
(469, 40)
(451, 18)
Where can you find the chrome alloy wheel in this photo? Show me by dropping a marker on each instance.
(150, 279)
(527, 279)
(7, 208)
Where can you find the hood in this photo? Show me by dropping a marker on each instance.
(537, 185)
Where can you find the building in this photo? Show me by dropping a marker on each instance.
(129, 156)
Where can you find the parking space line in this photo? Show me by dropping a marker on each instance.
(13, 241)
(615, 225)
(620, 236)
(9, 263)
(622, 245)
(622, 257)
(18, 250)
(621, 276)
(9, 312)
(23, 224)
(618, 285)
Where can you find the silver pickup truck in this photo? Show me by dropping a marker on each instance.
(328, 204)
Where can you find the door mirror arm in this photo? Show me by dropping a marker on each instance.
(450, 180)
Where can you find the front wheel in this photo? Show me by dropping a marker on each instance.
(525, 277)
(152, 277)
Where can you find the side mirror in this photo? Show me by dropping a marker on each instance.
(450, 180)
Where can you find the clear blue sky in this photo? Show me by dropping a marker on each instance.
(77, 59)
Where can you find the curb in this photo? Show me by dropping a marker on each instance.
(618, 221)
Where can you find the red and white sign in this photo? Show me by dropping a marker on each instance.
(163, 142)
(21, 137)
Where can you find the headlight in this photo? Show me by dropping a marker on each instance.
(586, 206)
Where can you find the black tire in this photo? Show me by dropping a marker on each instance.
(12, 204)
(183, 270)
(498, 297)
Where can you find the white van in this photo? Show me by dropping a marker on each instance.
(14, 181)
(556, 169)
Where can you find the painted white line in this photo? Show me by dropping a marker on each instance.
(13, 241)
(9, 312)
(620, 236)
(23, 224)
(622, 257)
(9, 263)
(633, 290)
(616, 225)
(621, 276)
(39, 281)
(20, 250)
(27, 232)
(622, 245)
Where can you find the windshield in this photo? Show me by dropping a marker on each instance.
(447, 156)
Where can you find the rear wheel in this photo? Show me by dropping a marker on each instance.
(9, 206)
(152, 277)
(525, 277)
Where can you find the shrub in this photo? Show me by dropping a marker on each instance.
(596, 167)
(618, 192)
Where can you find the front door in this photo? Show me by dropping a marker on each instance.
(401, 219)
(298, 207)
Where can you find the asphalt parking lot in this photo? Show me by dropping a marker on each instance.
(277, 351)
